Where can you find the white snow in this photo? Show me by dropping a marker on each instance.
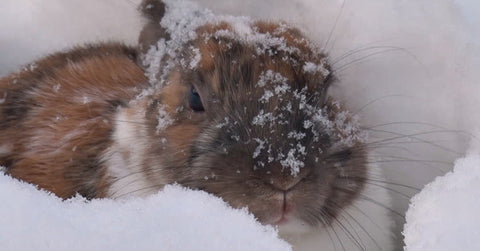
(174, 219)
(311, 67)
(164, 120)
(445, 215)
(258, 149)
(263, 118)
(266, 96)
(292, 162)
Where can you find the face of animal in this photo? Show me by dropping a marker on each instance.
(252, 123)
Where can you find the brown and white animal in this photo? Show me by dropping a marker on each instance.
(236, 107)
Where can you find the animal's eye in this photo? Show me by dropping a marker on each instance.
(195, 101)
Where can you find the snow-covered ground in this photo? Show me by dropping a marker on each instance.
(174, 219)
(408, 68)
(444, 216)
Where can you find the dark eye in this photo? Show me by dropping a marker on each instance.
(195, 101)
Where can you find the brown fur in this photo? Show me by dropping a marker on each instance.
(54, 133)
(201, 155)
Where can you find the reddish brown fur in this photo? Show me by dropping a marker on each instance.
(71, 133)
(211, 50)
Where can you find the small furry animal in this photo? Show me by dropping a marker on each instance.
(232, 106)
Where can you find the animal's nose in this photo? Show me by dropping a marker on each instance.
(281, 179)
(285, 185)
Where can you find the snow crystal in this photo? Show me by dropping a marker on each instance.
(164, 120)
(282, 88)
(174, 219)
(301, 149)
(296, 135)
(56, 87)
(152, 60)
(272, 77)
(262, 42)
(181, 20)
(345, 128)
(321, 118)
(311, 67)
(260, 147)
(222, 124)
(266, 96)
(149, 6)
(196, 59)
(292, 162)
(85, 100)
(307, 124)
(31, 67)
(262, 118)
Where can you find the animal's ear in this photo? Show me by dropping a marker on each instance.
(153, 11)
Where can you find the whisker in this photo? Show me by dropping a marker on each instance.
(338, 238)
(379, 99)
(422, 140)
(334, 25)
(462, 132)
(395, 184)
(385, 49)
(369, 181)
(358, 241)
(329, 235)
(361, 59)
(363, 196)
(408, 197)
(413, 135)
(368, 217)
(138, 190)
(349, 234)
(359, 50)
(361, 226)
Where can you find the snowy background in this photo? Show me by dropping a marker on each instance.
(408, 68)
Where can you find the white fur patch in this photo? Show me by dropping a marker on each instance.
(5, 149)
(125, 158)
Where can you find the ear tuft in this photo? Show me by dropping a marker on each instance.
(153, 9)
(152, 32)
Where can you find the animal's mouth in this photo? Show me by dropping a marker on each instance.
(282, 221)
(285, 212)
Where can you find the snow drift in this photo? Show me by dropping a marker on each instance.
(174, 219)
(444, 216)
